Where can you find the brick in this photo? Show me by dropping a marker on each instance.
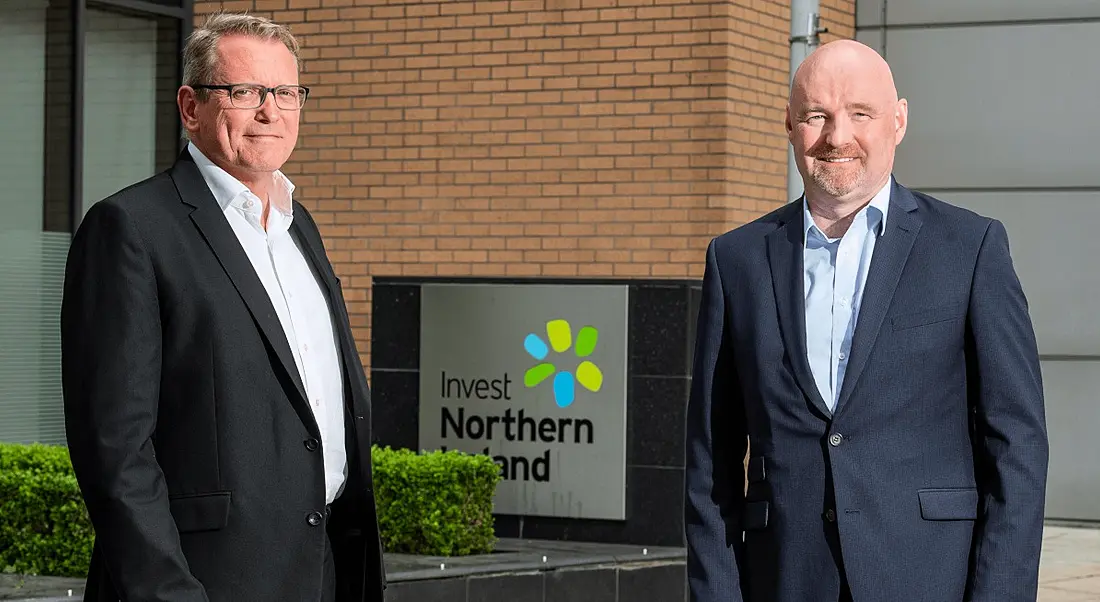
(635, 27)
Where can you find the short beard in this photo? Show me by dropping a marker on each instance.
(830, 184)
(834, 186)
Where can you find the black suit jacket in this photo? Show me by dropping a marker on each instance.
(927, 480)
(189, 431)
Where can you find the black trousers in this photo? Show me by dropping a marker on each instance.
(328, 575)
(832, 536)
(328, 566)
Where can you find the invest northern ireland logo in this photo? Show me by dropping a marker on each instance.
(560, 335)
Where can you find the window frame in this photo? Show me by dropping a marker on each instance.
(184, 13)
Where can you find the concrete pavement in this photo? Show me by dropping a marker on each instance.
(1068, 572)
(1070, 566)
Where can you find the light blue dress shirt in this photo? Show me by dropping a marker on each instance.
(835, 271)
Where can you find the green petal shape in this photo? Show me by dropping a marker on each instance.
(586, 341)
(537, 374)
(589, 375)
(561, 337)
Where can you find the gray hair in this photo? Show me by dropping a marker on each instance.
(200, 55)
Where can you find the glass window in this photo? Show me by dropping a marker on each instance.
(129, 101)
(130, 130)
(35, 87)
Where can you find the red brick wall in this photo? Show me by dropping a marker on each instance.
(536, 137)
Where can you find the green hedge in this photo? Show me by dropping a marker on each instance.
(437, 504)
(44, 526)
(53, 459)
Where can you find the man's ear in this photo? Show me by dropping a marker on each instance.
(901, 120)
(188, 103)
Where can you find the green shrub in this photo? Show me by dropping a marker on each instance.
(52, 459)
(44, 526)
(437, 503)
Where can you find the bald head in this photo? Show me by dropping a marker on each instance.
(845, 120)
(846, 60)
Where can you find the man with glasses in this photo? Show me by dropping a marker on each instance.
(217, 415)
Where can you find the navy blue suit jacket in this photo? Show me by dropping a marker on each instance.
(930, 473)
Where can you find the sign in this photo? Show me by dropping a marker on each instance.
(533, 375)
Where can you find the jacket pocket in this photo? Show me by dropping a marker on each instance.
(934, 315)
(948, 504)
(201, 511)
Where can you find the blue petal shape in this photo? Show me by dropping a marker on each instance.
(563, 389)
(534, 345)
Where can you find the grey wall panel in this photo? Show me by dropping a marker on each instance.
(1073, 480)
(869, 12)
(1002, 106)
(873, 38)
(1054, 248)
(906, 12)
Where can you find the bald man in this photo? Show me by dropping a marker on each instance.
(870, 348)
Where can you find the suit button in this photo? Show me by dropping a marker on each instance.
(314, 518)
(311, 444)
(836, 440)
(830, 515)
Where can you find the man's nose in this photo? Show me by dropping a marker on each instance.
(267, 111)
(838, 132)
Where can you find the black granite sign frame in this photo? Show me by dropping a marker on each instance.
(661, 337)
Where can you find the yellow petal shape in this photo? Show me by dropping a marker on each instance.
(561, 337)
(589, 376)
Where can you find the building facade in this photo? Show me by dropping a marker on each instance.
(1001, 97)
(536, 137)
(560, 138)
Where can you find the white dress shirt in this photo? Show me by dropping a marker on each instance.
(299, 302)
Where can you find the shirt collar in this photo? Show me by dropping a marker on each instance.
(228, 190)
(877, 211)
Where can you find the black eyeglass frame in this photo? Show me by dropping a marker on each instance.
(264, 91)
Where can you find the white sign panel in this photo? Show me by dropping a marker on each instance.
(533, 375)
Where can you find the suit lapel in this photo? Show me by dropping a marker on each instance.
(210, 220)
(785, 257)
(887, 262)
(341, 327)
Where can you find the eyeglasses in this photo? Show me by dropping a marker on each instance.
(252, 96)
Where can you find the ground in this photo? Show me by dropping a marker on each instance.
(1069, 571)
(1070, 567)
